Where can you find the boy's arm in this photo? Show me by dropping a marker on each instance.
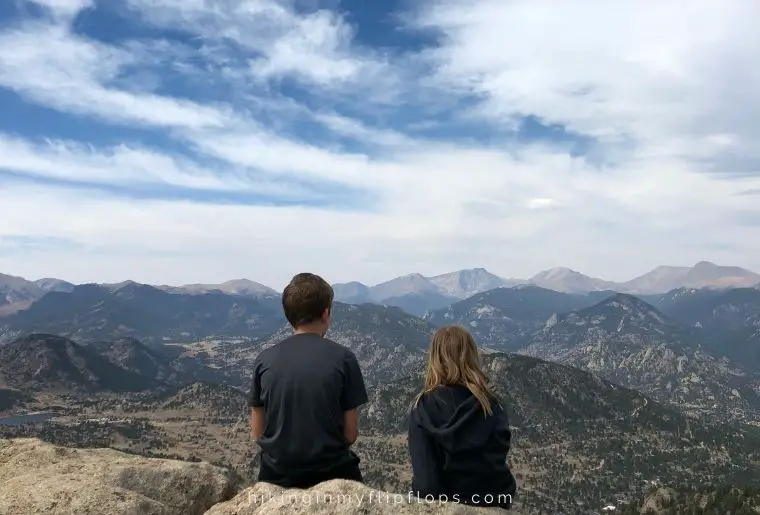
(354, 395)
(258, 422)
(351, 426)
(258, 417)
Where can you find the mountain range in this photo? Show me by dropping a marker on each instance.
(418, 294)
(607, 392)
(95, 312)
(697, 349)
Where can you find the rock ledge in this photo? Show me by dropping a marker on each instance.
(38, 477)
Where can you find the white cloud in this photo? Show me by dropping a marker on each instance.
(65, 9)
(542, 203)
(315, 47)
(652, 84)
(662, 74)
(48, 65)
(134, 167)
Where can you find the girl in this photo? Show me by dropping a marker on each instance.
(459, 435)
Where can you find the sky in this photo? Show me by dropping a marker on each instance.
(185, 141)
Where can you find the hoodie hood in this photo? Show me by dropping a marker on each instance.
(454, 418)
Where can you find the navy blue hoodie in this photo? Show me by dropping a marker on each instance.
(458, 451)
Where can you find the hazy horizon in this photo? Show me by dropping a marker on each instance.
(278, 287)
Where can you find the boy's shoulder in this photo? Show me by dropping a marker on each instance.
(314, 342)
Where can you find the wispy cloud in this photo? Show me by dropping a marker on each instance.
(315, 47)
(147, 173)
(49, 65)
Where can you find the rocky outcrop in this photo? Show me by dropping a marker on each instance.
(659, 500)
(336, 497)
(37, 477)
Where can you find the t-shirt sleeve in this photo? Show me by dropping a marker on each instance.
(354, 392)
(254, 399)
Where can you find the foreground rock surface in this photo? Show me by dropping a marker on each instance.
(37, 477)
(335, 497)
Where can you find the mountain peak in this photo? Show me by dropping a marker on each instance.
(625, 308)
(465, 283)
(415, 276)
(243, 287)
(119, 286)
(353, 284)
(48, 284)
(704, 274)
(557, 271)
(567, 280)
(627, 300)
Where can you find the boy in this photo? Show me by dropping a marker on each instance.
(305, 394)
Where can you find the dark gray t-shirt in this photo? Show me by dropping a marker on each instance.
(305, 383)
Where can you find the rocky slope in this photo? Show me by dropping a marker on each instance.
(17, 293)
(719, 310)
(150, 363)
(36, 477)
(729, 319)
(17, 289)
(506, 318)
(724, 500)
(53, 363)
(92, 312)
(631, 343)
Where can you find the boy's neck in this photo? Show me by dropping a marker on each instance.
(318, 329)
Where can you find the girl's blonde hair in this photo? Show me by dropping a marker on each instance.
(454, 360)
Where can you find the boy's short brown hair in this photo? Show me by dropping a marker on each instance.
(306, 298)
